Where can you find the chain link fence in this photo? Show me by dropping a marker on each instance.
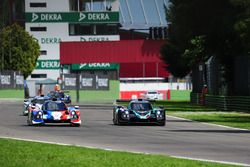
(11, 80)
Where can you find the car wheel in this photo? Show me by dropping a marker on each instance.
(29, 119)
(114, 120)
(162, 123)
(76, 125)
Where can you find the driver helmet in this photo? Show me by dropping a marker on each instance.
(57, 87)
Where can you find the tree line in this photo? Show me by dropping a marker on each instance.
(199, 29)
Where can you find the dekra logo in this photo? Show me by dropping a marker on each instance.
(34, 17)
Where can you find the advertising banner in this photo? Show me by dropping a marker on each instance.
(95, 66)
(72, 17)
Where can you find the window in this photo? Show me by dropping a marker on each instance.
(112, 29)
(80, 29)
(43, 52)
(105, 72)
(97, 29)
(106, 29)
(101, 29)
(38, 5)
(73, 5)
(90, 5)
(38, 75)
(85, 5)
(18, 9)
(38, 28)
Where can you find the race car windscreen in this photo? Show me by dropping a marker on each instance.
(141, 106)
(56, 94)
(54, 106)
(152, 93)
(38, 101)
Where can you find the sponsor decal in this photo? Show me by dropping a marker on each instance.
(92, 66)
(48, 64)
(94, 38)
(5, 79)
(52, 40)
(34, 17)
(82, 16)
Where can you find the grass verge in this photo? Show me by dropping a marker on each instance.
(12, 93)
(98, 96)
(232, 119)
(180, 95)
(21, 153)
(206, 114)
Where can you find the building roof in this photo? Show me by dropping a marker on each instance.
(142, 14)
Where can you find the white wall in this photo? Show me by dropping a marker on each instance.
(152, 86)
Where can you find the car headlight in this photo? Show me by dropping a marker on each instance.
(158, 112)
(126, 112)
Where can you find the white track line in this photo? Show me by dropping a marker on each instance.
(207, 160)
(211, 124)
(108, 149)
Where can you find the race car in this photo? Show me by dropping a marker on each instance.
(54, 111)
(138, 111)
(153, 95)
(35, 101)
(26, 105)
(59, 95)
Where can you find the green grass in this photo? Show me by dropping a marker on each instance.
(180, 95)
(29, 154)
(12, 93)
(98, 95)
(206, 114)
(233, 119)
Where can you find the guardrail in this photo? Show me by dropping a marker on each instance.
(226, 103)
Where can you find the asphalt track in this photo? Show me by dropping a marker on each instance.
(178, 138)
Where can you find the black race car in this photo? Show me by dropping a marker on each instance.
(138, 111)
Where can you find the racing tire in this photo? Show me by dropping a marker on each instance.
(114, 122)
(76, 125)
(162, 123)
(29, 119)
(118, 122)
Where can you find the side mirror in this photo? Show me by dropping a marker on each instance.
(76, 107)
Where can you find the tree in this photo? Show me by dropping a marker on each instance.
(4, 13)
(242, 25)
(19, 50)
(224, 26)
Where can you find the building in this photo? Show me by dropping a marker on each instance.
(54, 21)
(12, 11)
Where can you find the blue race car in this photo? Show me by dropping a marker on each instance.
(138, 111)
(54, 112)
(33, 101)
